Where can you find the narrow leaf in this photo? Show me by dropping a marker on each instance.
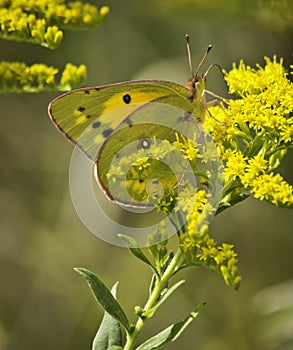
(109, 333)
(104, 297)
(153, 283)
(171, 333)
(135, 250)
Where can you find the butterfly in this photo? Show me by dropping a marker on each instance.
(114, 125)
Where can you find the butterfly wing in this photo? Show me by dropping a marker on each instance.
(103, 120)
(88, 116)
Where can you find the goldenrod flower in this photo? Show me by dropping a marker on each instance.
(18, 77)
(274, 189)
(188, 147)
(39, 21)
(202, 250)
(235, 165)
(254, 132)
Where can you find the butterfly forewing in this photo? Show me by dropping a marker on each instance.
(89, 116)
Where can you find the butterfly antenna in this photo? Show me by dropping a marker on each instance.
(217, 66)
(189, 56)
(212, 66)
(202, 60)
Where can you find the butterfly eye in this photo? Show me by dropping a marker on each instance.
(126, 99)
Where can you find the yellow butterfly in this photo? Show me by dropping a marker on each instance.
(104, 120)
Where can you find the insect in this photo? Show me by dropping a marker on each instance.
(131, 116)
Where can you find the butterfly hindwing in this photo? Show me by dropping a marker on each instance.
(139, 163)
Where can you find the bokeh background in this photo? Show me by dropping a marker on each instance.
(44, 304)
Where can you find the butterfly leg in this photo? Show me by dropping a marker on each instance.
(218, 97)
(217, 101)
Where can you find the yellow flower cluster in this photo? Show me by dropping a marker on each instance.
(186, 197)
(188, 147)
(38, 21)
(254, 132)
(273, 188)
(72, 77)
(18, 77)
(201, 250)
(195, 224)
(141, 164)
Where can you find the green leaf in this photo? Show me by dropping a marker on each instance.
(165, 296)
(153, 284)
(135, 250)
(171, 333)
(109, 334)
(104, 297)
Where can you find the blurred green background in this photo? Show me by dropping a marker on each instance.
(44, 304)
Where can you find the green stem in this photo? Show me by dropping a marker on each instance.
(153, 298)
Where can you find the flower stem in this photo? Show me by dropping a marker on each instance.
(153, 298)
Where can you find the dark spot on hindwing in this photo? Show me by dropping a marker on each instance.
(126, 98)
(88, 116)
(96, 125)
(107, 132)
(81, 109)
(97, 88)
(86, 91)
(187, 117)
(145, 144)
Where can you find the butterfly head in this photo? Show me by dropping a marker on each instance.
(196, 85)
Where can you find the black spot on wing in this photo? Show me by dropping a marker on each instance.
(107, 132)
(187, 117)
(88, 116)
(96, 125)
(145, 144)
(97, 89)
(81, 109)
(86, 92)
(126, 99)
